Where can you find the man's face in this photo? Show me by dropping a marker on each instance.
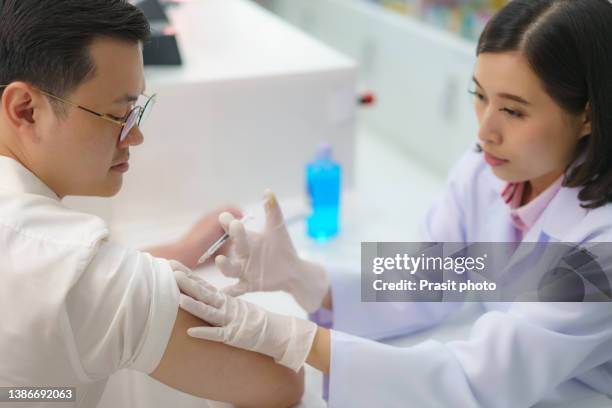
(77, 153)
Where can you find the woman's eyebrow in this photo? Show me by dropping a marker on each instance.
(506, 95)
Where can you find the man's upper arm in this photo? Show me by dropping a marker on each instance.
(123, 314)
(216, 371)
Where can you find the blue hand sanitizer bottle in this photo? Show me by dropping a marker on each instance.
(323, 185)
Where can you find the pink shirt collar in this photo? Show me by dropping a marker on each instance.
(524, 217)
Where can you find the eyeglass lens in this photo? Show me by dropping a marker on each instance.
(136, 117)
(129, 123)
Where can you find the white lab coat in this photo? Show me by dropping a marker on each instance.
(74, 307)
(518, 354)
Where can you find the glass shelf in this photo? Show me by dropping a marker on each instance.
(465, 18)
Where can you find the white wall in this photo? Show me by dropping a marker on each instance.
(420, 74)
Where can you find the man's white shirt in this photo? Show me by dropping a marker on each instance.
(74, 307)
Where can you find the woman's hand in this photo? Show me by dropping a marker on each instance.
(241, 324)
(202, 235)
(267, 261)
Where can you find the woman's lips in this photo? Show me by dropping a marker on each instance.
(494, 161)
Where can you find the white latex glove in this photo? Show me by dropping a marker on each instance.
(241, 324)
(268, 261)
(177, 266)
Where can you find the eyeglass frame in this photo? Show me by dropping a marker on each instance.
(121, 122)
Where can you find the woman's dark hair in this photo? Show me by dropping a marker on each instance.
(568, 44)
(46, 42)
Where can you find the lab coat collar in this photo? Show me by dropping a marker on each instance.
(563, 215)
(16, 178)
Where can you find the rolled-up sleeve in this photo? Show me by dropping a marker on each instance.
(122, 311)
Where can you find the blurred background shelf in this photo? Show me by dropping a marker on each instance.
(465, 18)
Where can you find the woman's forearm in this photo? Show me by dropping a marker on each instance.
(320, 353)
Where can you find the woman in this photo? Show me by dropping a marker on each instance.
(542, 173)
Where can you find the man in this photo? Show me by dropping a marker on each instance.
(75, 307)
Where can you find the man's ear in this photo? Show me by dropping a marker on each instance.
(19, 104)
(586, 123)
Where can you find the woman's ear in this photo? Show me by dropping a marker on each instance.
(586, 123)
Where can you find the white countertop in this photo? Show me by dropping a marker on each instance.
(219, 45)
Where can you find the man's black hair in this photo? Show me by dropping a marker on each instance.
(46, 42)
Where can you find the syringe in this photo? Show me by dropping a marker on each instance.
(219, 243)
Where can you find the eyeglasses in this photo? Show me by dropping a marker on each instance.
(135, 117)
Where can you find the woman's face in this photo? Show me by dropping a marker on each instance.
(525, 135)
